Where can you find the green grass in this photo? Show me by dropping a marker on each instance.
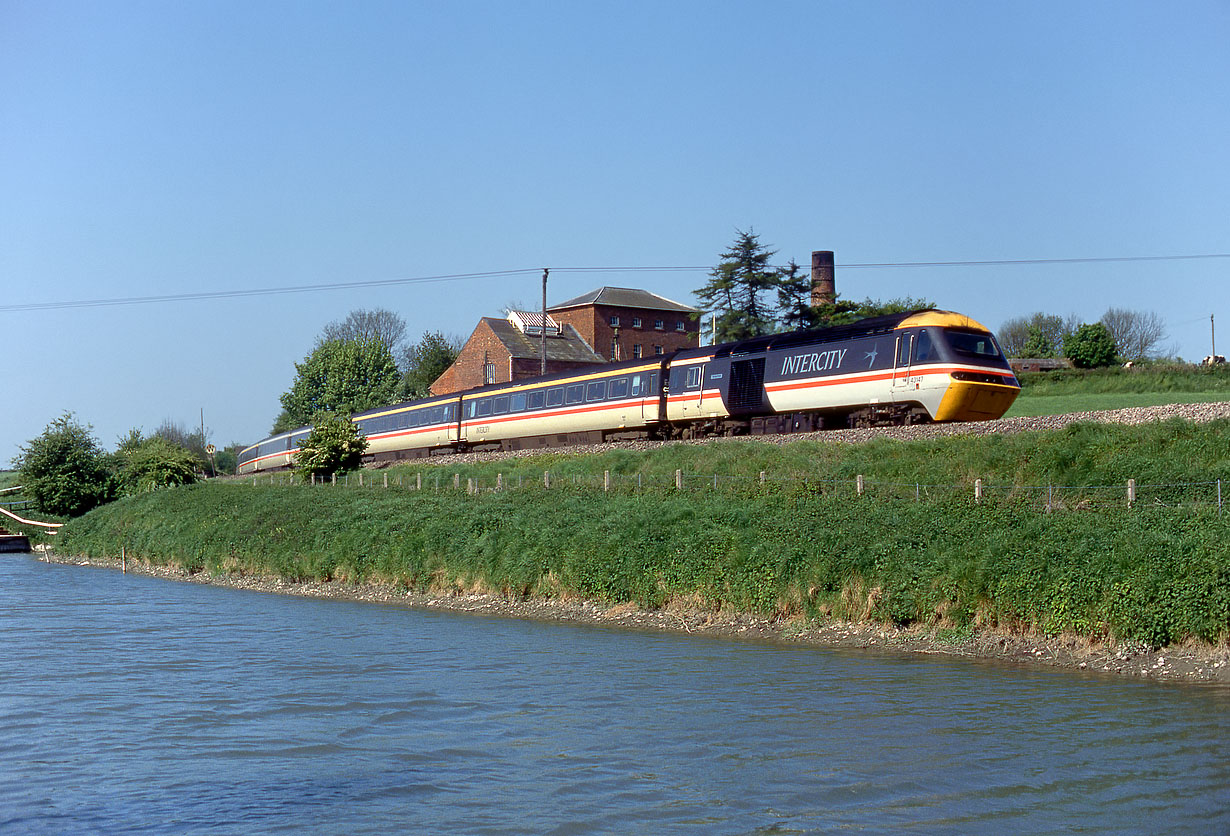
(1091, 390)
(788, 548)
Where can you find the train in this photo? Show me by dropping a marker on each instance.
(906, 368)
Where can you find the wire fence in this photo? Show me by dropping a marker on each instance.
(1048, 498)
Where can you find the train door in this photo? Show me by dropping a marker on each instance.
(902, 368)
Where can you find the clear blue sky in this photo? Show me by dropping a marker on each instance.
(153, 148)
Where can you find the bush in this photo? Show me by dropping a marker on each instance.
(1090, 347)
(156, 463)
(64, 470)
(334, 445)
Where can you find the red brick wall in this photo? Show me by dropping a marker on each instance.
(467, 371)
(593, 323)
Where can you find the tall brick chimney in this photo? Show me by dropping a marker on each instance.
(823, 285)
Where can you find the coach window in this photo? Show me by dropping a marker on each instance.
(596, 391)
(500, 405)
(693, 377)
(538, 399)
(555, 396)
(636, 385)
(484, 407)
(922, 347)
(574, 393)
(619, 388)
(440, 414)
(518, 402)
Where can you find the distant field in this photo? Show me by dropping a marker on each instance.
(1031, 406)
(1073, 390)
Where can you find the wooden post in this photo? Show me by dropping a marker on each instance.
(499, 481)
(762, 476)
(546, 478)
(386, 480)
(1131, 492)
(978, 491)
(678, 480)
(418, 481)
(606, 480)
(859, 485)
(335, 479)
(456, 480)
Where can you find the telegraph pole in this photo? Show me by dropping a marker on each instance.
(1212, 337)
(542, 336)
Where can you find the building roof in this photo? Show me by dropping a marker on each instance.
(625, 297)
(566, 347)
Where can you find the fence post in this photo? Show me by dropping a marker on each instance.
(606, 480)
(1219, 497)
(418, 481)
(470, 486)
(386, 480)
(546, 478)
(456, 480)
(499, 481)
(1131, 492)
(335, 480)
(859, 484)
(678, 480)
(978, 491)
(762, 476)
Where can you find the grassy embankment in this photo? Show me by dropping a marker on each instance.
(1075, 390)
(800, 545)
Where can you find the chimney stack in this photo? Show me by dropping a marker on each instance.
(823, 285)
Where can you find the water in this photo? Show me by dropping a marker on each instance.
(140, 705)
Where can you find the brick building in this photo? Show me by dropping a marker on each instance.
(502, 350)
(610, 323)
(622, 323)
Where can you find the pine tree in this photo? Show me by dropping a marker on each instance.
(736, 289)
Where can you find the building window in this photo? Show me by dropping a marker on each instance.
(659, 324)
(488, 373)
(636, 322)
(679, 326)
(614, 348)
(657, 350)
(636, 352)
(614, 321)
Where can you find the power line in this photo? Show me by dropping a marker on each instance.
(454, 277)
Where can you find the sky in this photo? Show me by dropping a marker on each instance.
(153, 149)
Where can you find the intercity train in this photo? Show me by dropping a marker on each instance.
(906, 368)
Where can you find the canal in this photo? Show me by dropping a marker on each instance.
(141, 705)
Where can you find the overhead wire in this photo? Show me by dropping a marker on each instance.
(454, 277)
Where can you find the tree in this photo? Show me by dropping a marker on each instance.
(377, 324)
(794, 299)
(1038, 344)
(1090, 347)
(334, 445)
(341, 376)
(426, 360)
(1136, 333)
(1015, 333)
(156, 463)
(736, 287)
(64, 470)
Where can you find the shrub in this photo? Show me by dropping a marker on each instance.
(1090, 347)
(64, 470)
(334, 445)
